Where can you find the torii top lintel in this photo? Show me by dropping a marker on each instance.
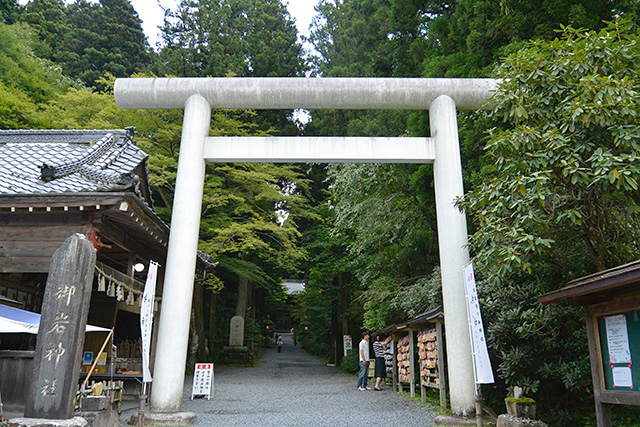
(302, 92)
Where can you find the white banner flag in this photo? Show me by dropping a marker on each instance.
(482, 365)
(146, 318)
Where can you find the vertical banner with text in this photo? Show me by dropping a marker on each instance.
(146, 318)
(482, 364)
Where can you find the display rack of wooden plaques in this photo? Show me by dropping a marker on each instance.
(428, 358)
(388, 359)
(404, 360)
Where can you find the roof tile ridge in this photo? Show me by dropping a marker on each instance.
(50, 172)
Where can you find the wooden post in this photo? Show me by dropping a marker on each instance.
(479, 419)
(442, 381)
(394, 365)
(412, 368)
(603, 413)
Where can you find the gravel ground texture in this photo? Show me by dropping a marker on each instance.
(292, 388)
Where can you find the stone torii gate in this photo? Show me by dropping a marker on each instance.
(197, 96)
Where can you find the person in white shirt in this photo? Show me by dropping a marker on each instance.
(363, 357)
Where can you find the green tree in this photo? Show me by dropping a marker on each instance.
(8, 11)
(392, 233)
(245, 38)
(49, 19)
(26, 82)
(561, 200)
(90, 39)
(566, 160)
(466, 38)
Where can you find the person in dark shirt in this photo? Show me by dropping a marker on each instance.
(380, 370)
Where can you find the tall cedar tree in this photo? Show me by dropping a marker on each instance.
(90, 39)
(244, 38)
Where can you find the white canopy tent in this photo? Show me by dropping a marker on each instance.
(15, 320)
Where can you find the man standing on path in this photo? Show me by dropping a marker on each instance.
(363, 353)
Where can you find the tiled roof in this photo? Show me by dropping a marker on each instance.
(64, 161)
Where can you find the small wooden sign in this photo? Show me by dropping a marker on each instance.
(203, 380)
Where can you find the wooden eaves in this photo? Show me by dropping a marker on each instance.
(603, 286)
(431, 316)
(125, 221)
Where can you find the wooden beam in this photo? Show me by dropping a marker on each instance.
(620, 397)
(43, 218)
(38, 233)
(29, 249)
(25, 264)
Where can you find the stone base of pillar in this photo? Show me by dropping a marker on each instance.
(511, 421)
(167, 419)
(42, 422)
(108, 418)
(452, 420)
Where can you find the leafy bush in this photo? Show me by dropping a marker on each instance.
(350, 363)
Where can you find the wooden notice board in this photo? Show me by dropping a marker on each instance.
(619, 335)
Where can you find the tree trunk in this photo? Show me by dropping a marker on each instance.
(196, 330)
(212, 322)
(243, 288)
(344, 305)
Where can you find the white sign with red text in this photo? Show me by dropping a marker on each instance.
(203, 380)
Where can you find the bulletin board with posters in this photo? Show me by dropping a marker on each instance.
(611, 300)
(619, 335)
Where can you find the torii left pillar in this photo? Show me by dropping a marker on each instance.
(171, 354)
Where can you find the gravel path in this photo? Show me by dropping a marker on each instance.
(294, 389)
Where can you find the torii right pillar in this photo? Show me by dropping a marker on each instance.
(454, 255)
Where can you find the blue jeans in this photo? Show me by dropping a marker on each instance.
(363, 376)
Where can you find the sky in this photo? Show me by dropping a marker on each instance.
(151, 14)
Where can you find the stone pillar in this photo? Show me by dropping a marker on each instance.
(173, 329)
(236, 331)
(61, 334)
(454, 256)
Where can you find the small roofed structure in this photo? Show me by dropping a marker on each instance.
(430, 344)
(54, 183)
(611, 299)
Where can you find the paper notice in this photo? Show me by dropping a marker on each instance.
(482, 364)
(622, 377)
(618, 339)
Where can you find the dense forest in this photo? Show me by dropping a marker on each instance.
(551, 167)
